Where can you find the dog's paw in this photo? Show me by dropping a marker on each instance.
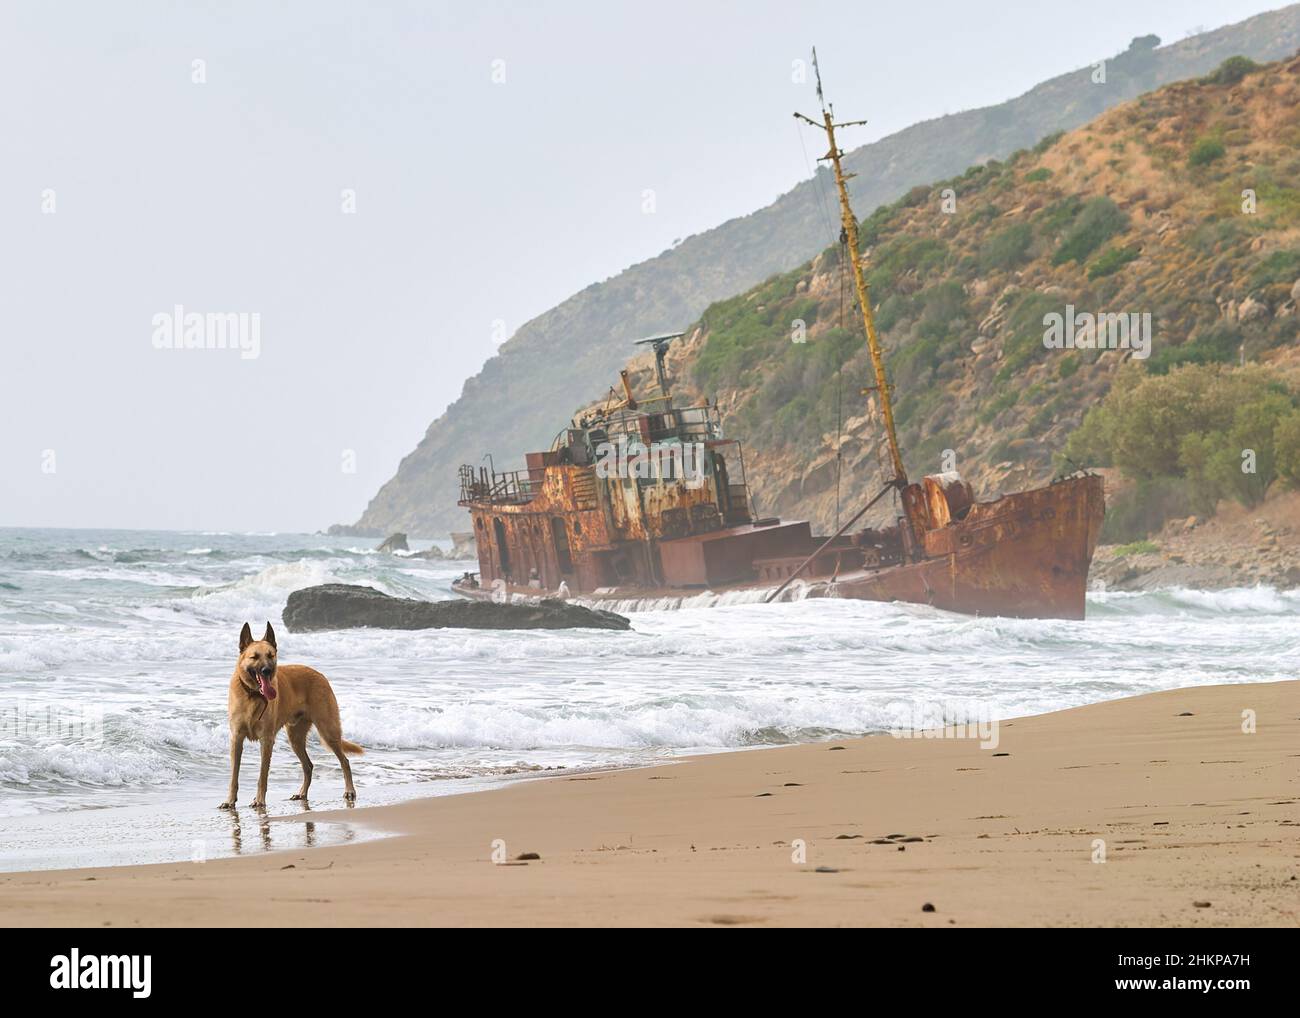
(298, 796)
(226, 805)
(258, 804)
(350, 796)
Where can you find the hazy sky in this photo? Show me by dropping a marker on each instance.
(476, 202)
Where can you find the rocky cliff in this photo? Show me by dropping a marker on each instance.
(526, 393)
(1181, 208)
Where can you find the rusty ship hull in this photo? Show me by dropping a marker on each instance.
(1023, 555)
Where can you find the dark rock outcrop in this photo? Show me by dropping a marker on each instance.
(344, 606)
(395, 542)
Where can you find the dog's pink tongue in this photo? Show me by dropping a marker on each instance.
(265, 687)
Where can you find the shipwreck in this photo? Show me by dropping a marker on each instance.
(639, 499)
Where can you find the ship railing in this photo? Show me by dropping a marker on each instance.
(684, 424)
(511, 487)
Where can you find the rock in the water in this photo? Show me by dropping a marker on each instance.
(395, 542)
(434, 554)
(344, 606)
(462, 545)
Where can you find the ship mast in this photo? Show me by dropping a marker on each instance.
(850, 235)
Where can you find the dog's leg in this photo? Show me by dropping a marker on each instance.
(268, 744)
(331, 734)
(236, 754)
(349, 791)
(333, 740)
(298, 740)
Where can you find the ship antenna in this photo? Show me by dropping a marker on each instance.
(849, 232)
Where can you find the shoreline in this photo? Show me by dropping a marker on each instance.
(1193, 812)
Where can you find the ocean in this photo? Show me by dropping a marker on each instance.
(116, 649)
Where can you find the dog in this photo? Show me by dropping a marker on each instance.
(265, 697)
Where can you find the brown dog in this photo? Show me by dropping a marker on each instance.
(265, 698)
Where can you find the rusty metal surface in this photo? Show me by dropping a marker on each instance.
(1024, 555)
(565, 501)
(567, 521)
(729, 556)
(947, 498)
(562, 520)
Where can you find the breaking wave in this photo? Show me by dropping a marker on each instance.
(144, 628)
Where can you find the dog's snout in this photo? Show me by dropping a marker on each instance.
(266, 671)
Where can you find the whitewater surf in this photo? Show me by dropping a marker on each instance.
(448, 710)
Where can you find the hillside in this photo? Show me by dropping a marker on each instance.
(557, 360)
(1139, 211)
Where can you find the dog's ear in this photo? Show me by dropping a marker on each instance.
(245, 637)
(269, 635)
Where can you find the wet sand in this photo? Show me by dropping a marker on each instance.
(1200, 823)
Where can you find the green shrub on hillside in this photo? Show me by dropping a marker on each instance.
(869, 229)
(1137, 548)
(1238, 461)
(1286, 447)
(1230, 71)
(1205, 151)
(1141, 510)
(1098, 221)
(1216, 345)
(1024, 332)
(997, 405)
(915, 196)
(892, 310)
(1037, 175)
(902, 255)
(1061, 213)
(740, 336)
(1277, 267)
(1048, 141)
(1112, 260)
(1007, 248)
(1193, 423)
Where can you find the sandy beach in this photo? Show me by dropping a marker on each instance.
(1198, 818)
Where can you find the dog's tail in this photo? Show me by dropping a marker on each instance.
(350, 747)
